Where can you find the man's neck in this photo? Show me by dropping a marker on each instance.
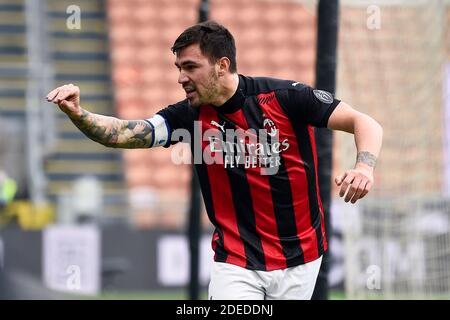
(229, 88)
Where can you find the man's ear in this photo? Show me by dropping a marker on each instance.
(224, 66)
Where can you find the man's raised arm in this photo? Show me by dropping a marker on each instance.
(108, 131)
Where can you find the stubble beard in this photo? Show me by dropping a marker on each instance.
(211, 91)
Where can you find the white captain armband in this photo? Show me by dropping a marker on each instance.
(161, 131)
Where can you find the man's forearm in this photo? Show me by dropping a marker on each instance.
(113, 132)
(368, 139)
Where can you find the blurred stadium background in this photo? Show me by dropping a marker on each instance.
(111, 223)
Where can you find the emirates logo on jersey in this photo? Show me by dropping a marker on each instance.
(270, 127)
(235, 148)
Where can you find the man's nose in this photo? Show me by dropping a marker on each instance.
(182, 78)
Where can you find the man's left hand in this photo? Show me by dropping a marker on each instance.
(358, 181)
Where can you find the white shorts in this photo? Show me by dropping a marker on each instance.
(230, 282)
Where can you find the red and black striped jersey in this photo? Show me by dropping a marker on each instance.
(261, 191)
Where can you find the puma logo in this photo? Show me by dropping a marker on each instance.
(221, 127)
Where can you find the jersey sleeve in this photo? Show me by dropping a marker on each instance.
(311, 106)
(169, 119)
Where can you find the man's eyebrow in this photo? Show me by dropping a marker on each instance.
(186, 62)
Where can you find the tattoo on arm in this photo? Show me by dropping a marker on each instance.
(113, 132)
(367, 158)
(135, 134)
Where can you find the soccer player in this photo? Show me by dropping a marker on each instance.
(255, 156)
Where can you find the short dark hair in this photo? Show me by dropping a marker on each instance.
(214, 39)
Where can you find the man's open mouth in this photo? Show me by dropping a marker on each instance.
(189, 92)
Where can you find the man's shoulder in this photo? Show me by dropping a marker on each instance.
(180, 106)
(181, 110)
(260, 85)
